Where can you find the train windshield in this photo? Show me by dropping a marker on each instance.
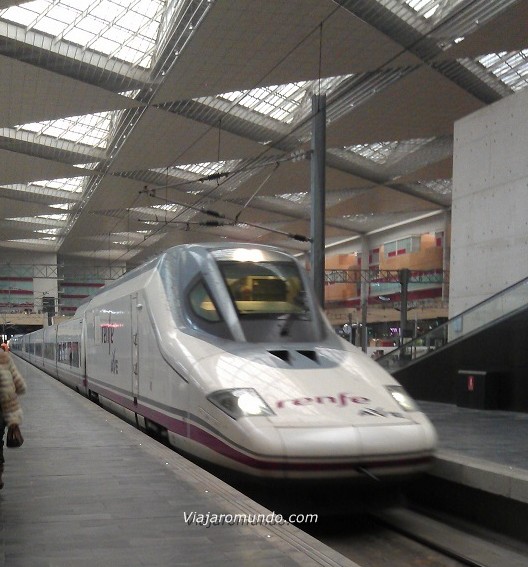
(270, 299)
(265, 288)
(253, 295)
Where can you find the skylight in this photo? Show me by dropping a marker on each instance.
(440, 186)
(384, 152)
(56, 217)
(426, 8)
(121, 29)
(48, 231)
(89, 129)
(296, 197)
(34, 241)
(420, 10)
(50, 220)
(70, 184)
(509, 67)
(279, 102)
(205, 168)
(172, 208)
(378, 152)
(63, 206)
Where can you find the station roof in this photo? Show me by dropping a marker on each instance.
(128, 126)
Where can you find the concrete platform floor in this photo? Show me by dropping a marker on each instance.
(86, 490)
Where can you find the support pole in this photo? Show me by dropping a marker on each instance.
(317, 181)
(446, 255)
(404, 275)
(365, 279)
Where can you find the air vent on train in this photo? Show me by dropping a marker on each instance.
(309, 354)
(282, 354)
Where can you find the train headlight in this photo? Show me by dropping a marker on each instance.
(240, 402)
(402, 397)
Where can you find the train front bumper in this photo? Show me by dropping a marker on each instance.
(375, 452)
(369, 451)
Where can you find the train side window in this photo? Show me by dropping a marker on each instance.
(202, 304)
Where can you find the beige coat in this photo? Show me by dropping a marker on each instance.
(11, 386)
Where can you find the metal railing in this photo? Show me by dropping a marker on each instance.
(491, 310)
(376, 276)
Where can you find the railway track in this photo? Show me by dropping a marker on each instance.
(470, 546)
(399, 537)
(392, 534)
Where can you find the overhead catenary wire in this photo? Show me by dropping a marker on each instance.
(257, 191)
(152, 193)
(302, 123)
(218, 223)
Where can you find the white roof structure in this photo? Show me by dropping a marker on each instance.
(128, 126)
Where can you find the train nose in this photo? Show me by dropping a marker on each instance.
(344, 451)
(341, 442)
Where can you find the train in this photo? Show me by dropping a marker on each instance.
(224, 350)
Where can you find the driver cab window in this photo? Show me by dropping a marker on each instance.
(270, 300)
(265, 289)
(259, 288)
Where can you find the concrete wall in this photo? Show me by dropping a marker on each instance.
(489, 242)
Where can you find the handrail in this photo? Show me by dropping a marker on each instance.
(492, 309)
(375, 275)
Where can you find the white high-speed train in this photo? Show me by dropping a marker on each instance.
(224, 350)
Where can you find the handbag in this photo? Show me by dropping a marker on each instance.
(14, 436)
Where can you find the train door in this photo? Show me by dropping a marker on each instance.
(82, 355)
(134, 329)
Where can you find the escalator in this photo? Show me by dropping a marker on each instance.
(476, 359)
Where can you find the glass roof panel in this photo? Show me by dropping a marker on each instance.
(509, 67)
(378, 152)
(70, 184)
(426, 8)
(169, 207)
(104, 10)
(104, 45)
(48, 231)
(91, 129)
(277, 102)
(63, 206)
(31, 240)
(441, 187)
(57, 217)
(79, 36)
(383, 152)
(41, 219)
(49, 25)
(418, 12)
(206, 168)
(107, 26)
(280, 102)
(23, 16)
(295, 197)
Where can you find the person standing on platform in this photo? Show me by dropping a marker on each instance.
(12, 385)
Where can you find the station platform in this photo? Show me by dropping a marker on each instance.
(86, 489)
(481, 449)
